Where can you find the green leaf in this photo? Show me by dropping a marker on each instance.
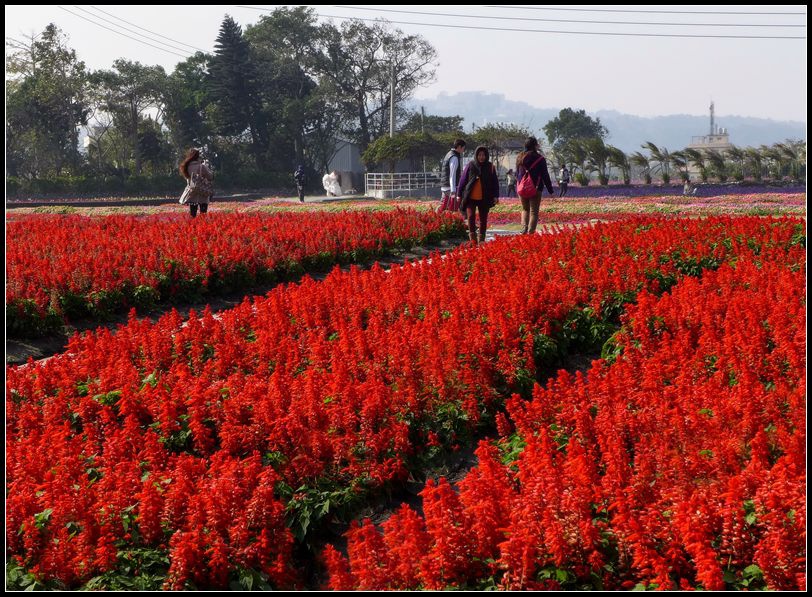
(41, 519)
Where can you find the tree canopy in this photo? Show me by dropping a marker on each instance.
(570, 125)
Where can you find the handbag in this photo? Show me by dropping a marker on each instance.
(184, 196)
(197, 187)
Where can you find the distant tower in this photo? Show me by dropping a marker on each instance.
(717, 140)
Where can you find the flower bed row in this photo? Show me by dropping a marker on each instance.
(219, 443)
(678, 464)
(68, 266)
(575, 209)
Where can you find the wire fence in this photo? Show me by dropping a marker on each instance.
(385, 185)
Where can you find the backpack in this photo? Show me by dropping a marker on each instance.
(527, 187)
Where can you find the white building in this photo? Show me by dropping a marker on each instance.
(718, 139)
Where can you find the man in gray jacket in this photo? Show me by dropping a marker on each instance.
(450, 172)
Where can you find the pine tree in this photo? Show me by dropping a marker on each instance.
(232, 81)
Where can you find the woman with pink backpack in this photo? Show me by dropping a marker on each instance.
(531, 172)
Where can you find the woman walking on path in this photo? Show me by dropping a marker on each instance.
(532, 163)
(199, 188)
(480, 191)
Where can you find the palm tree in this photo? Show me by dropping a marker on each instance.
(737, 155)
(697, 159)
(576, 154)
(597, 154)
(800, 150)
(641, 161)
(792, 152)
(774, 158)
(618, 159)
(661, 157)
(755, 160)
(680, 162)
(718, 164)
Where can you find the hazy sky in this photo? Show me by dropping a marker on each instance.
(647, 76)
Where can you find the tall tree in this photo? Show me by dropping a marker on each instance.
(498, 138)
(46, 104)
(620, 160)
(737, 155)
(186, 97)
(774, 160)
(718, 164)
(573, 152)
(754, 159)
(570, 125)
(641, 161)
(131, 90)
(286, 45)
(661, 158)
(418, 123)
(328, 118)
(793, 153)
(154, 147)
(598, 156)
(697, 158)
(679, 160)
(361, 60)
(233, 86)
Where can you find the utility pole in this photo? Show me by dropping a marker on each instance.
(423, 131)
(392, 100)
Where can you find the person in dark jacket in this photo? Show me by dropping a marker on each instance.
(300, 178)
(480, 191)
(450, 170)
(528, 163)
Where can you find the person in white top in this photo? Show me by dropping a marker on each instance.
(331, 184)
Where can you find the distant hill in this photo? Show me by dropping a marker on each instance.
(626, 131)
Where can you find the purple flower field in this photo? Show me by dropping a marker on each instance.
(702, 190)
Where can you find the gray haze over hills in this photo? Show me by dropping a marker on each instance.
(626, 131)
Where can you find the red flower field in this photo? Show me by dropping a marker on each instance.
(195, 454)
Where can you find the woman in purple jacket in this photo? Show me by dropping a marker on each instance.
(532, 161)
(480, 191)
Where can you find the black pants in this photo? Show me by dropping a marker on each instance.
(204, 207)
(300, 188)
(563, 189)
(470, 212)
